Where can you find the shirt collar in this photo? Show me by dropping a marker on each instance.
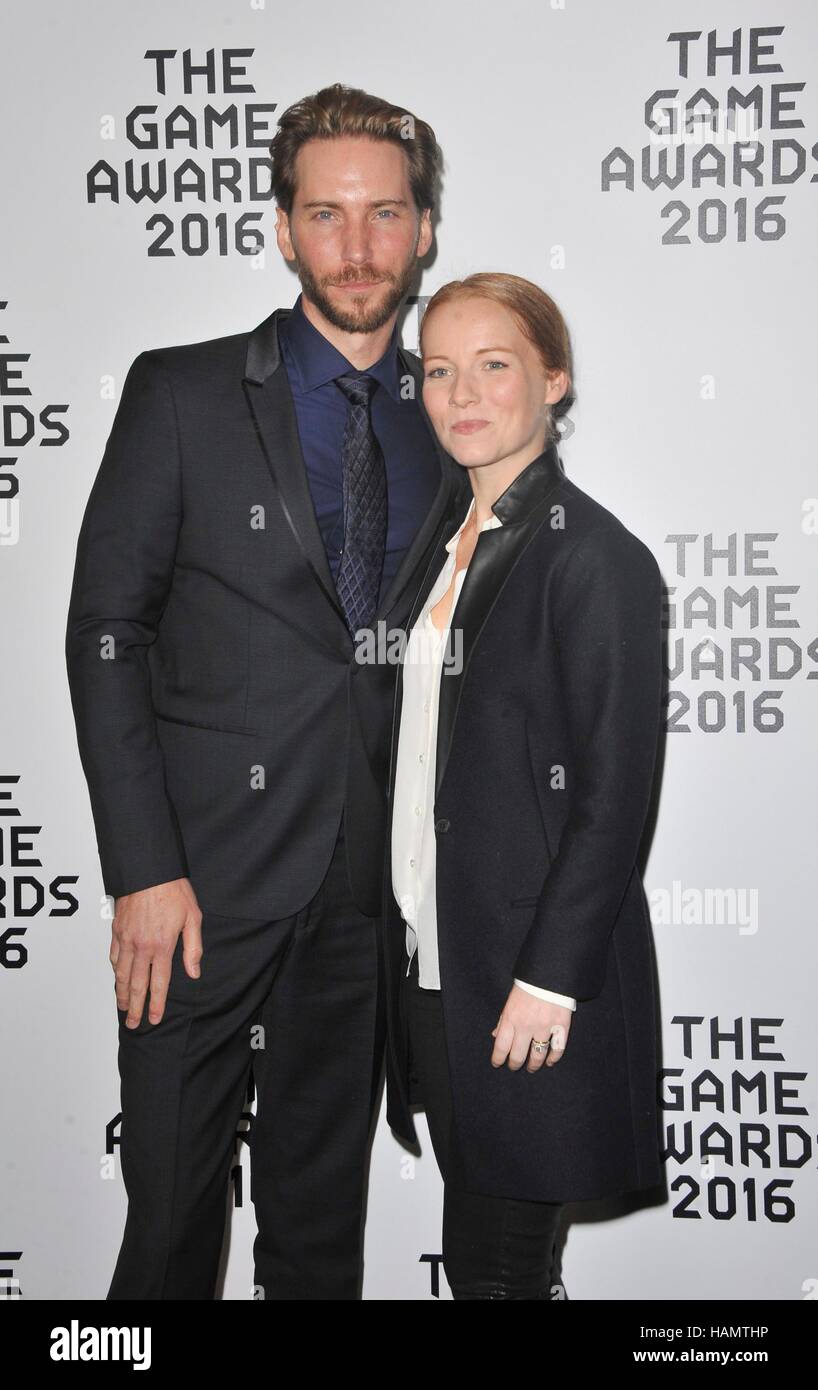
(316, 361)
(487, 525)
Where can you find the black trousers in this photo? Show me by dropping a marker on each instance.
(296, 1001)
(493, 1247)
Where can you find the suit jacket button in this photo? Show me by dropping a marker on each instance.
(442, 826)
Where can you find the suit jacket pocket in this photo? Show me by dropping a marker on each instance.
(199, 724)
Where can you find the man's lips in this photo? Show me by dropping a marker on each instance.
(358, 285)
(469, 426)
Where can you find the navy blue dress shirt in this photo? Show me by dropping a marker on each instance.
(412, 466)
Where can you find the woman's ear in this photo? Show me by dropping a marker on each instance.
(558, 386)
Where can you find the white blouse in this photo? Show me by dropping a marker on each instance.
(413, 845)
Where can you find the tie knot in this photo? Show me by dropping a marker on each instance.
(357, 389)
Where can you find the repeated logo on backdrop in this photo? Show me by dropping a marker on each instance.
(725, 140)
(738, 1134)
(27, 424)
(28, 890)
(190, 155)
(735, 643)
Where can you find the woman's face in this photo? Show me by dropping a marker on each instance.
(484, 384)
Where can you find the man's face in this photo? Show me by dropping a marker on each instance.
(354, 232)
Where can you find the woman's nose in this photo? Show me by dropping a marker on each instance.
(463, 392)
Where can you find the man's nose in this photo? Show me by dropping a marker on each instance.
(356, 245)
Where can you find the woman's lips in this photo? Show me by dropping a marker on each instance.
(469, 426)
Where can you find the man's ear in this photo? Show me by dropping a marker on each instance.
(426, 233)
(283, 237)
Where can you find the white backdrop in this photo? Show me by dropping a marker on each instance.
(692, 301)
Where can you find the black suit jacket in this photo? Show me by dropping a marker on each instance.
(223, 722)
(546, 746)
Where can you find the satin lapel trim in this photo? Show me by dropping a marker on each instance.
(434, 516)
(269, 399)
(495, 555)
(432, 570)
(438, 559)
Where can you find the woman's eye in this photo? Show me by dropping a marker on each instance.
(432, 372)
(494, 363)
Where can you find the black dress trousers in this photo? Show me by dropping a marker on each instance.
(493, 1247)
(297, 1000)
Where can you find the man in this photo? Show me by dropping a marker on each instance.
(262, 498)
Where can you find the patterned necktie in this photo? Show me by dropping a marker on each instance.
(364, 473)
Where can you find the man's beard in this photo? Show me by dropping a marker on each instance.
(359, 317)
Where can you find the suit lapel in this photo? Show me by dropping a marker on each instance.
(451, 485)
(269, 399)
(267, 389)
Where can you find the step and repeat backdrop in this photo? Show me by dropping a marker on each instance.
(653, 166)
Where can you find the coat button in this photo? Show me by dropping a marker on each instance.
(442, 826)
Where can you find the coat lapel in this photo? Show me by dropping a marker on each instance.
(267, 390)
(522, 509)
(458, 506)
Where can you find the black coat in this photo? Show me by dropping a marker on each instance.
(232, 657)
(536, 869)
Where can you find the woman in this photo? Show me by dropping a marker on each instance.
(527, 712)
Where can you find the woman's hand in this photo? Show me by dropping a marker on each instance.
(526, 1017)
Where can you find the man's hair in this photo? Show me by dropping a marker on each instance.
(536, 315)
(338, 111)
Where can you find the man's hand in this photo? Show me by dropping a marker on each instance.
(524, 1017)
(146, 928)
